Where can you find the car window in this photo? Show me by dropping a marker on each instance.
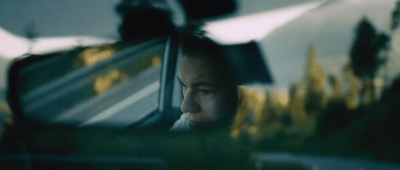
(329, 95)
(103, 85)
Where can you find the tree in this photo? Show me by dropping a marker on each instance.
(135, 27)
(315, 81)
(395, 17)
(365, 56)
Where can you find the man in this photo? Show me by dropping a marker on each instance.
(209, 90)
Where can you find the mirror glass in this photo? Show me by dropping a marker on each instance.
(91, 86)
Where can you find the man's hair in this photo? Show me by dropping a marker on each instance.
(214, 55)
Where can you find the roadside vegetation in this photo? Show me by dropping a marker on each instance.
(353, 115)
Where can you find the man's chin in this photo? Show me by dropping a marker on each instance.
(199, 124)
(195, 124)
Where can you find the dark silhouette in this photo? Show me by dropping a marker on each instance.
(396, 16)
(142, 23)
(365, 57)
(31, 33)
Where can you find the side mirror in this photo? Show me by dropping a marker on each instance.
(83, 86)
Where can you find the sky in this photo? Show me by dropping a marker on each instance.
(57, 18)
(330, 27)
(88, 17)
(60, 17)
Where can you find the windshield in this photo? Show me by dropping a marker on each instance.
(302, 85)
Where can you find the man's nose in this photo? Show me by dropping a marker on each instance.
(189, 104)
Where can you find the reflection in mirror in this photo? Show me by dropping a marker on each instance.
(93, 55)
(95, 86)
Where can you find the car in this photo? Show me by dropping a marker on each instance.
(306, 100)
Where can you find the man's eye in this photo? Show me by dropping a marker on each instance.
(204, 92)
(184, 88)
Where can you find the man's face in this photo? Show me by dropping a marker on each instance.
(204, 99)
